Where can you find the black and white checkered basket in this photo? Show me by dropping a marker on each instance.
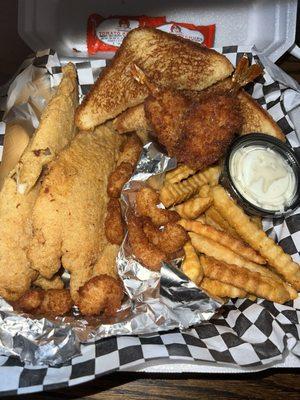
(247, 334)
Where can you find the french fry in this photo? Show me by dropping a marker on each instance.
(256, 220)
(201, 218)
(179, 173)
(194, 207)
(204, 191)
(209, 221)
(175, 193)
(191, 265)
(215, 219)
(250, 233)
(212, 174)
(172, 194)
(220, 289)
(252, 282)
(221, 253)
(224, 239)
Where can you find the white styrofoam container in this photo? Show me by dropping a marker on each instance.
(267, 24)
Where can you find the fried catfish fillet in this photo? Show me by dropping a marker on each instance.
(55, 131)
(68, 217)
(15, 232)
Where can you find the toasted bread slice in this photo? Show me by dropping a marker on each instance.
(167, 59)
(255, 118)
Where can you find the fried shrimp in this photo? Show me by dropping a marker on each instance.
(118, 178)
(127, 161)
(145, 251)
(101, 293)
(146, 206)
(171, 239)
(131, 151)
(114, 225)
(49, 302)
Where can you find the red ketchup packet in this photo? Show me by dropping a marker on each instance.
(107, 34)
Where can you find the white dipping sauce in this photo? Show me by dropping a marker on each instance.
(263, 177)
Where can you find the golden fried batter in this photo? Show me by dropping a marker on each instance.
(148, 254)
(100, 294)
(207, 130)
(165, 113)
(114, 223)
(147, 200)
(171, 239)
(15, 232)
(130, 154)
(118, 178)
(50, 302)
(54, 283)
(68, 216)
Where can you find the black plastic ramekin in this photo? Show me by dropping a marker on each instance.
(272, 143)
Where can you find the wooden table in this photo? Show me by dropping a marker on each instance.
(273, 384)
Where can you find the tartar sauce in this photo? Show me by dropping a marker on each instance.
(263, 177)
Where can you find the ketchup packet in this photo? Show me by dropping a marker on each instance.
(107, 34)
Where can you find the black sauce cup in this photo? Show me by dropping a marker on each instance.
(262, 140)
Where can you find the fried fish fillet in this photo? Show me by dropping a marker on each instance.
(68, 217)
(55, 131)
(15, 232)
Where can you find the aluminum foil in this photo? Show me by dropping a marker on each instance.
(155, 301)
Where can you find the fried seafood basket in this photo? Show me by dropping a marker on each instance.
(166, 322)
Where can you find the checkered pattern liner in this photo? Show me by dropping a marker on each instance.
(246, 333)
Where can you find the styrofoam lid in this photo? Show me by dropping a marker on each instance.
(268, 24)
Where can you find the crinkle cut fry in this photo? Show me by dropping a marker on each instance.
(217, 288)
(257, 238)
(213, 249)
(176, 193)
(194, 207)
(148, 254)
(216, 220)
(223, 238)
(179, 173)
(252, 282)
(191, 265)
